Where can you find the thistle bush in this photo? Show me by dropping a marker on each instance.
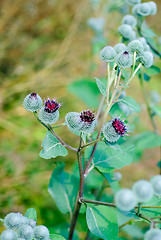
(106, 144)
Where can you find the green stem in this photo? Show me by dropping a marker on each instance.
(139, 209)
(91, 143)
(98, 202)
(50, 129)
(126, 223)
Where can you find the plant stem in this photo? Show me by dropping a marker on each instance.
(126, 223)
(50, 129)
(139, 208)
(80, 195)
(98, 202)
(145, 218)
(108, 81)
(91, 143)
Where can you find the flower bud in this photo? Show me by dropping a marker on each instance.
(114, 129)
(153, 234)
(126, 31)
(153, 8)
(130, 20)
(124, 59)
(125, 200)
(13, 220)
(133, 2)
(41, 233)
(49, 113)
(117, 176)
(142, 40)
(142, 9)
(32, 223)
(156, 183)
(120, 47)
(8, 234)
(135, 46)
(146, 59)
(108, 54)
(26, 232)
(32, 102)
(143, 190)
(81, 122)
(96, 24)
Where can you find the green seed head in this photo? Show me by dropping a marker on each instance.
(133, 2)
(130, 20)
(143, 190)
(135, 46)
(124, 59)
(120, 47)
(142, 9)
(32, 102)
(125, 200)
(126, 31)
(153, 234)
(13, 220)
(73, 121)
(48, 118)
(108, 54)
(41, 233)
(8, 234)
(146, 59)
(110, 133)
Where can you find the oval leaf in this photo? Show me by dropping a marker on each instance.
(101, 87)
(131, 103)
(31, 214)
(102, 222)
(63, 188)
(56, 237)
(52, 147)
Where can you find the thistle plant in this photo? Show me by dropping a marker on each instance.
(105, 145)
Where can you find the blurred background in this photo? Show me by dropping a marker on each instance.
(45, 45)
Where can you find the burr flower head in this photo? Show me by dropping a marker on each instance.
(13, 220)
(120, 47)
(135, 46)
(142, 9)
(153, 8)
(49, 113)
(8, 234)
(124, 59)
(125, 200)
(26, 232)
(130, 20)
(32, 102)
(146, 58)
(133, 2)
(114, 129)
(126, 31)
(153, 234)
(143, 190)
(41, 233)
(81, 122)
(156, 183)
(108, 54)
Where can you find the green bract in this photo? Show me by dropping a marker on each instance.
(125, 200)
(143, 191)
(120, 47)
(153, 234)
(130, 20)
(146, 59)
(126, 31)
(108, 54)
(32, 102)
(124, 59)
(48, 117)
(135, 46)
(110, 133)
(156, 183)
(133, 2)
(41, 233)
(8, 235)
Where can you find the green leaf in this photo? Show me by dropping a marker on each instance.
(131, 103)
(146, 77)
(153, 70)
(157, 110)
(63, 188)
(52, 147)
(101, 87)
(31, 214)
(145, 140)
(107, 158)
(102, 222)
(152, 212)
(87, 91)
(56, 237)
